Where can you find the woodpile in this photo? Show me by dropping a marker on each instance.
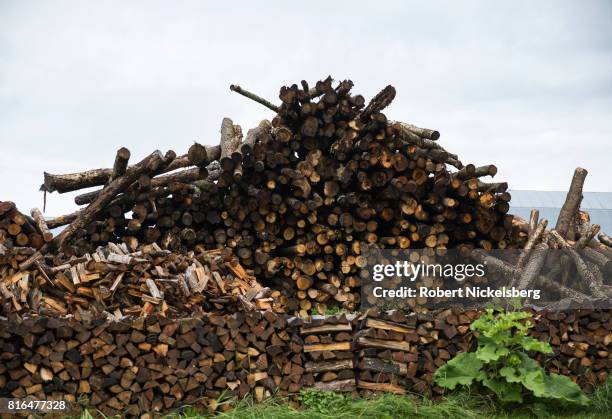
(117, 281)
(150, 364)
(296, 198)
(17, 229)
(399, 353)
(582, 344)
(328, 349)
(155, 363)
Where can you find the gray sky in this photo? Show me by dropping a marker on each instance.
(521, 84)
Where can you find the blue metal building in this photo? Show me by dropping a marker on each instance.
(549, 203)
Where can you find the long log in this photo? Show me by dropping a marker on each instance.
(534, 237)
(184, 176)
(99, 177)
(572, 203)
(148, 165)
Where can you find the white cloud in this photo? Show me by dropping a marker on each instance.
(524, 85)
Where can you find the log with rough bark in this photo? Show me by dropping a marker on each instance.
(149, 164)
(571, 205)
(42, 225)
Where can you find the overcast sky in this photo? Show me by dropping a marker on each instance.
(524, 85)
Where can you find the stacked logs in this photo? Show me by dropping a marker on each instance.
(150, 364)
(328, 344)
(117, 281)
(154, 363)
(17, 229)
(582, 344)
(398, 353)
(297, 198)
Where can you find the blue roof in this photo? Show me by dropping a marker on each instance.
(549, 203)
(555, 199)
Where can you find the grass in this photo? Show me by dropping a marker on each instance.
(326, 405)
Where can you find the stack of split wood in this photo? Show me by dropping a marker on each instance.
(117, 281)
(150, 364)
(572, 262)
(384, 357)
(398, 353)
(582, 344)
(296, 198)
(328, 351)
(155, 363)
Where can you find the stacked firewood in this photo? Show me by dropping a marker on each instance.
(116, 280)
(328, 351)
(582, 344)
(398, 353)
(155, 363)
(149, 364)
(297, 198)
(17, 229)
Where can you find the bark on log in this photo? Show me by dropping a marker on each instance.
(590, 279)
(379, 102)
(149, 164)
(572, 203)
(121, 163)
(509, 272)
(603, 238)
(533, 266)
(42, 225)
(534, 217)
(252, 96)
(534, 237)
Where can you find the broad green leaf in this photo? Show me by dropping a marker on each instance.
(562, 387)
(510, 374)
(491, 352)
(534, 381)
(531, 344)
(462, 369)
(507, 392)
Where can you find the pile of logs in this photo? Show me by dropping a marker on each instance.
(296, 198)
(149, 364)
(398, 353)
(572, 262)
(17, 229)
(116, 281)
(155, 363)
(328, 344)
(582, 344)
